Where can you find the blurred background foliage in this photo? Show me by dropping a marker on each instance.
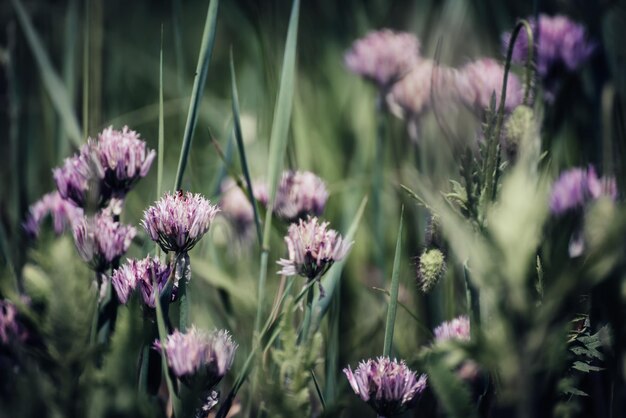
(107, 52)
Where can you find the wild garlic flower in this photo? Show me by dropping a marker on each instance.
(313, 248)
(576, 187)
(456, 329)
(198, 357)
(300, 193)
(143, 274)
(388, 386)
(479, 80)
(383, 57)
(63, 213)
(178, 220)
(10, 328)
(101, 241)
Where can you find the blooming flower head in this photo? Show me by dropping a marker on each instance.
(78, 174)
(478, 80)
(200, 357)
(143, 274)
(456, 329)
(577, 186)
(388, 386)
(124, 158)
(178, 220)
(300, 193)
(63, 213)
(383, 57)
(101, 241)
(10, 328)
(313, 248)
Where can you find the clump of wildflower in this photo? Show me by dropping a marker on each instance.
(10, 328)
(300, 193)
(124, 158)
(431, 267)
(388, 386)
(199, 358)
(63, 213)
(78, 174)
(577, 186)
(178, 220)
(479, 80)
(456, 329)
(313, 248)
(561, 45)
(101, 240)
(383, 57)
(143, 274)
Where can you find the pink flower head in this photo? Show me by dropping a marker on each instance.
(197, 356)
(383, 57)
(577, 186)
(63, 213)
(300, 193)
(237, 209)
(456, 329)
(388, 386)
(178, 220)
(480, 79)
(101, 241)
(312, 249)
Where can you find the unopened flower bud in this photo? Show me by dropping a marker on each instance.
(430, 268)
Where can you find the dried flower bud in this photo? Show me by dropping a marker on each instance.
(431, 268)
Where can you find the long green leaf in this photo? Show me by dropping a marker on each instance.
(51, 80)
(161, 149)
(395, 286)
(202, 69)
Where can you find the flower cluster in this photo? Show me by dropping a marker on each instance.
(577, 186)
(312, 249)
(178, 220)
(388, 386)
(561, 45)
(143, 274)
(10, 328)
(384, 56)
(300, 193)
(63, 213)
(456, 329)
(101, 240)
(197, 356)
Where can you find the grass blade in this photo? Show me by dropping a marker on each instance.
(393, 298)
(206, 49)
(51, 80)
(160, 152)
(68, 71)
(242, 151)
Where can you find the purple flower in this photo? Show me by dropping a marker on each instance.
(577, 186)
(124, 158)
(143, 274)
(63, 213)
(178, 220)
(10, 328)
(200, 357)
(562, 45)
(124, 279)
(478, 80)
(388, 386)
(300, 193)
(312, 249)
(236, 207)
(456, 329)
(78, 174)
(383, 57)
(101, 241)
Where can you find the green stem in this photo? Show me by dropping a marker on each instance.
(377, 185)
(183, 270)
(261, 289)
(395, 286)
(308, 310)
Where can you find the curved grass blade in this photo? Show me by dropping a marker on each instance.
(204, 59)
(51, 80)
(393, 298)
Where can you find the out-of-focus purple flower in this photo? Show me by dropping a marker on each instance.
(237, 209)
(124, 158)
(577, 186)
(124, 279)
(63, 213)
(197, 356)
(312, 249)
(300, 193)
(178, 220)
(383, 57)
(562, 45)
(77, 174)
(388, 386)
(10, 328)
(456, 329)
(101, 241)
(478, 80)
(143, 274)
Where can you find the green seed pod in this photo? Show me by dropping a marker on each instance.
(431, 268)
